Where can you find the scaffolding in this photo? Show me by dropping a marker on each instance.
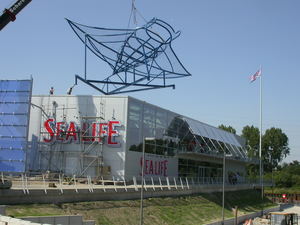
(52, 154)
(92, 151)
(88, 152)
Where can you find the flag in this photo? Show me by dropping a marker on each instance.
(254, 76)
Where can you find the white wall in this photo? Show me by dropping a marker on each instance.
(72, 109)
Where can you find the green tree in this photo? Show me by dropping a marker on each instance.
(274, 148)
(251, 135)
(227, 128)
(287, 175)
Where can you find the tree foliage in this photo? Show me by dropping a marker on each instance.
(251, 135)
(275, 147)
(227, 128)
(287, 175)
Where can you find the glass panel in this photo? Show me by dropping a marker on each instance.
(12, 155)
(14, 117)
(198, 169)
(12, 131)
(210, 137)
(15, 85)
(160, 123)
(134, 114)
(12, 166)
(16, 97)
(12, 144)
(134, 126)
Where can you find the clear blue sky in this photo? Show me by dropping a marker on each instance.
(222, 44)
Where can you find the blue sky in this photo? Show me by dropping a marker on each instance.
(221, 45)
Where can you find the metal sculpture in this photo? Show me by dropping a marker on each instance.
(140, 58)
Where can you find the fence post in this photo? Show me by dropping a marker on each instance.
(168, 183)
(153, 186)
(75, 186)
(135, 184)
(145, 184)
(175, 183)
(160, 183)
(44, 182)
(181, 183)
(187, 183)
(125, 184)
(90, 184)
(60, 183)
(115, 184)
(23, 184)
(103, 185)
(26, 184)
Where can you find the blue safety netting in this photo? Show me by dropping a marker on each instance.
(15, 98)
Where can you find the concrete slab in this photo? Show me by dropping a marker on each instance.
(62, 220)
(75, 220)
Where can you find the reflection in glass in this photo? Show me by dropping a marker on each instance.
(175, 134)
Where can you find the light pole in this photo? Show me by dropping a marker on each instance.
(272, 175)
(223, 188)
(142, 185)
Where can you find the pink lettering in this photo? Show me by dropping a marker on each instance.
(151, 167)
(85, 133)
(165, 167)
(112, 132)
(103, 131)
(64, 132)
(59, 131)
(71, 133)
(49, 130)
(146, 166)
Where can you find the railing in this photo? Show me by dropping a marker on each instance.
(61, 183)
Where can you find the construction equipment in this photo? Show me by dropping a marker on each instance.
(283, 218)
(11, 13)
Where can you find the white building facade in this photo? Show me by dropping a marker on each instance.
(103, 136)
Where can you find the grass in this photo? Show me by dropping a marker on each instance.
(195, 209)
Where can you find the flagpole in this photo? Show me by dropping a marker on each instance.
(260, 140)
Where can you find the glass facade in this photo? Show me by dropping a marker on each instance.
(193, 168)
(176, 135)
(14, 117)
(145, 120)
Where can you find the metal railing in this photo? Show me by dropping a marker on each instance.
(45, 182)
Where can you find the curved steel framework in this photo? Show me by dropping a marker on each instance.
(140, 58)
